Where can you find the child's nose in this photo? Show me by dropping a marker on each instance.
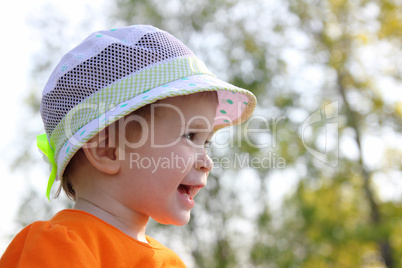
(203, 162)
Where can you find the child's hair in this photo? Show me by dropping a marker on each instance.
(113, 73)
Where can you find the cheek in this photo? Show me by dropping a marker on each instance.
(177, 159)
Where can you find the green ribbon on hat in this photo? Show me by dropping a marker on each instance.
(44, 146)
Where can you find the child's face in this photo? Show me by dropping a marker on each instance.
(160, 178)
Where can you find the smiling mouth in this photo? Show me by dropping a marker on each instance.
(188, 191)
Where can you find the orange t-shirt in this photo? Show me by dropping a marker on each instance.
(74, 238)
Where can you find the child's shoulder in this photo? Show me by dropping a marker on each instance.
(58, 228)
(52, 243)
(46, 244)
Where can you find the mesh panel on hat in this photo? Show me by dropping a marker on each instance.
(115, 62)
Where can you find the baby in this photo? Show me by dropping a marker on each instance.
(128, 114)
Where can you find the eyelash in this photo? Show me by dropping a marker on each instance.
(191, 136)
(208, 144)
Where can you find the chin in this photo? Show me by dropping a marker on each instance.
(178, 221)
(182, 222)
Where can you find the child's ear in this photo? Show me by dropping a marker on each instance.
(102, 152)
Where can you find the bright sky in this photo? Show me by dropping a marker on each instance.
(15, 51)
(17, 46)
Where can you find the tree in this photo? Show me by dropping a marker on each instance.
(336, 214)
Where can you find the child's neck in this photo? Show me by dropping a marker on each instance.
(133, 226)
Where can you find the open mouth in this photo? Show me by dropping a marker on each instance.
(188, 191)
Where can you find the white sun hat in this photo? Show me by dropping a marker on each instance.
(114, 72)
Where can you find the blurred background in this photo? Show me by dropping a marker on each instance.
(327, 74)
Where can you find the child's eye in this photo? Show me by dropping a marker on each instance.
(190, 136)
